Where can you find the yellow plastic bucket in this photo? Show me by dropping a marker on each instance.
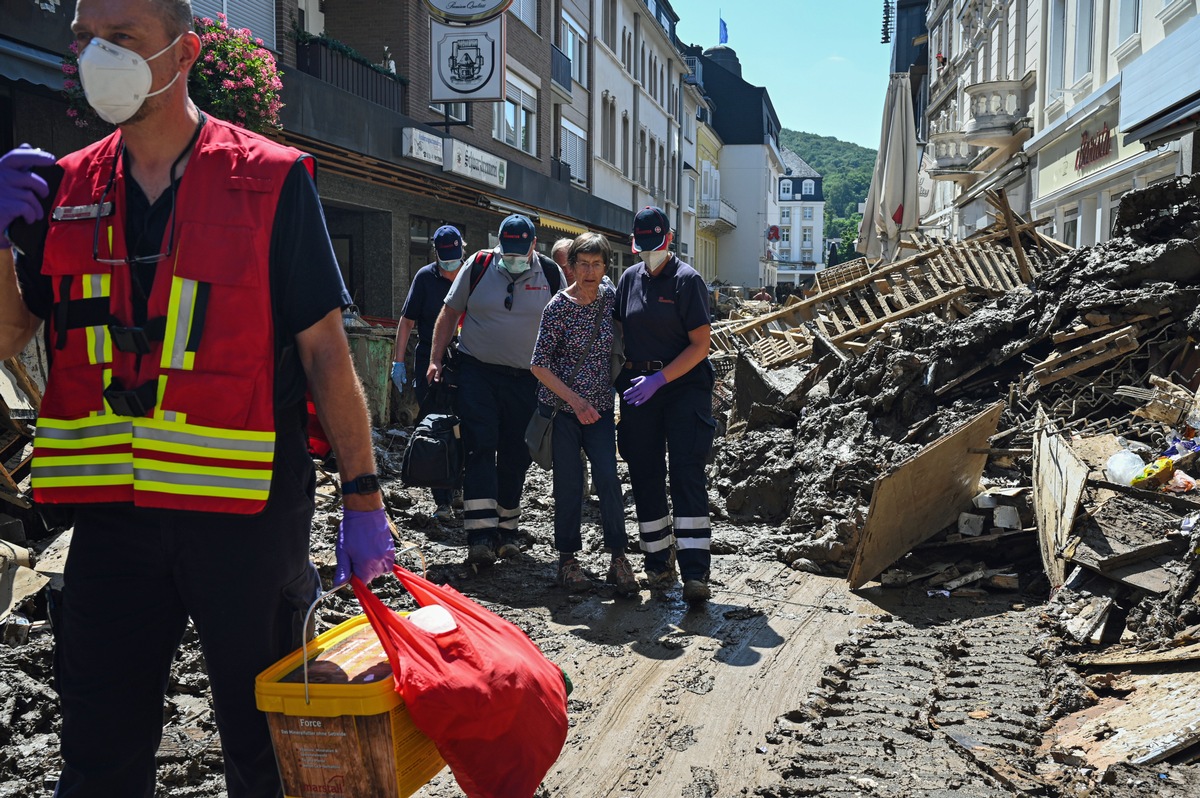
(352, 737)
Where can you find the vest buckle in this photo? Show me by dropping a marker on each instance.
(130, 339)
(136, 403)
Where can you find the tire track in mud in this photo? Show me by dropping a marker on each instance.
(909, 710)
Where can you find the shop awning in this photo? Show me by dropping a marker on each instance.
(561, 225)
(22, 62)
(1167, 126)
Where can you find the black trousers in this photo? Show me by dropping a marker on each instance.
(133, 578)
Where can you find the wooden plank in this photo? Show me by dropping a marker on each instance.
(1059, 479)
(1014, 237)
(1085, 330)
(911, 310)
(24, 381)
(922, 496)
(1121, 659)
(995, 260)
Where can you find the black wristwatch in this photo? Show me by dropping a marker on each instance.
(367, 483)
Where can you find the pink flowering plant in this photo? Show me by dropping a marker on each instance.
(235, 79)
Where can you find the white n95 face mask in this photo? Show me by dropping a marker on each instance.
(654, 258)
(116, 80)
(516, 263)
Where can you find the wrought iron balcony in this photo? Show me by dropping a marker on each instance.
(560, 74)
(319, 60)
(952, 155)
(996, 108)
(716, 216)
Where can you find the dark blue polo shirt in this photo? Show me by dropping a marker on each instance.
(657, 313)
(426, 298)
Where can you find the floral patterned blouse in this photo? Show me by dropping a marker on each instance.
(566, 329)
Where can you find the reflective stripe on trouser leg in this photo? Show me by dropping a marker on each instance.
(509, 518)
(689, 429)
(479, 520)
(641, 440)
(655, 536)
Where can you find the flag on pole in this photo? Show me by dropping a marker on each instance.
(724, 32)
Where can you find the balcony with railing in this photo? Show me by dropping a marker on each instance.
(560, 74)
(716, 216)
(321, 59)
(996, 109)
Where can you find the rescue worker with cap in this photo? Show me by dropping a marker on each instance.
(666, 406)
(189, 291)
(426, 298)
(500, 294)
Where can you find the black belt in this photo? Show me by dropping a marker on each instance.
(644, 365)
(509, 370)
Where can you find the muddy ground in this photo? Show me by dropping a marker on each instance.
(785, 684)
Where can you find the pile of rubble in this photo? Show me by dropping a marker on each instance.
(953, 422)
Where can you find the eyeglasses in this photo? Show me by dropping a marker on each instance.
(508, 299)
(136, 260)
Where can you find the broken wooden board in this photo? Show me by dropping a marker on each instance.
(1121, 659)
(995, 761)
(1059, 478)
(1159, 717)
(922, 496)
(1115, 531)
(1083, 356)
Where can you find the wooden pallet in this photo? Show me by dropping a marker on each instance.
(1083, 356)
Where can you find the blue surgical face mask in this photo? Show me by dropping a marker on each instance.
(450, 265)
(516, 263)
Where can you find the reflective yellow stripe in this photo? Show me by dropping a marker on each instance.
(180, 315)
(201, 490)
(92, 481)
(105, 381)
(99, 339)
(251, 438)
(244, 474)
(145, 444)
(81, 459)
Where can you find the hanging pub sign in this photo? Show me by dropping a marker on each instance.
(467, 62)
(467, 11)
(1093, 146)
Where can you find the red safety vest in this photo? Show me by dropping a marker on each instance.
(179, 413)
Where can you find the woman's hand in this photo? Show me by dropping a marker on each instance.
(584, 410)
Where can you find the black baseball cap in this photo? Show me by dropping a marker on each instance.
(516, 235)
(448, 243)
(650, 229)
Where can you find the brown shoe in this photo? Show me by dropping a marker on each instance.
(620, 574)
(664, 579)
(572, 577)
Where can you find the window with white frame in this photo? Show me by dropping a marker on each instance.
(609, 30)
(257, 15)
(785, 189)
(806, 236)
(785, 215)
(574, 46)
(808, 188)
(456, 111)
(1083, 38)
(573, 150)
(1129, 19)
(806, 213)
(691, 193)
(516, 117)
(785, 235)
(1057, 49)
(526, 11)
(806, 256)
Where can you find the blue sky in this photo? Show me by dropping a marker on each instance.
(821, 61)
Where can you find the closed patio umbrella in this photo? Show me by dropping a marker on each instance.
(891, 206)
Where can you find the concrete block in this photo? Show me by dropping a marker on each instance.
(1006, 517)
(12, 529)
(970, 524)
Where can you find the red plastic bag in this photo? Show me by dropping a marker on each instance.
(492, 703)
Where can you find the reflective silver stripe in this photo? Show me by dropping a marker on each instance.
(190, 439)
(183, 319)
(508, 517)
(204, 480)
(654, 526)
(479, 523)
(170, 415)
(651, 546)
(692, 543)
(478, 504)
(79, 433)
(46, 472)
(691, 522)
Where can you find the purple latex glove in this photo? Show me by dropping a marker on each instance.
(364, 546)
(20, 189)
(642, 388)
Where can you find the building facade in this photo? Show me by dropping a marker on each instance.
(801, 230)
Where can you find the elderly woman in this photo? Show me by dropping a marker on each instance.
(572, 361)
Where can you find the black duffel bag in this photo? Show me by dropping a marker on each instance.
(434, 457)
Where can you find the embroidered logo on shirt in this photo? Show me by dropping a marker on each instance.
(537, 288)
(666, 301)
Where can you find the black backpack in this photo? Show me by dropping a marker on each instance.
(434, 457)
